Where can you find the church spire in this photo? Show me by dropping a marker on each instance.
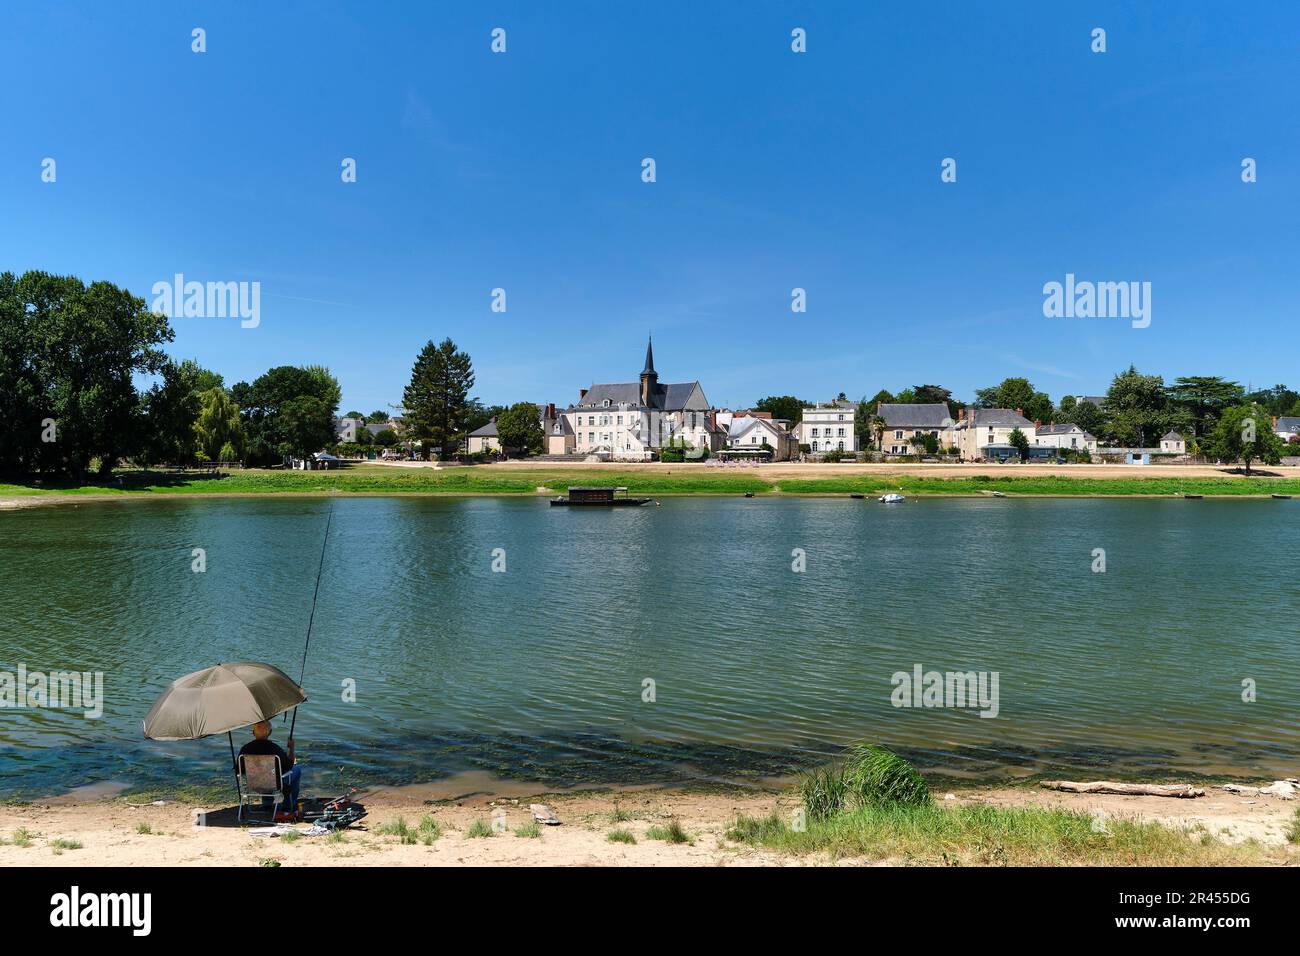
(649, 377)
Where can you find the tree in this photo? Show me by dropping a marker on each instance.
(1086, 415)
(377, 418)
(218, 429)
(1135, 405)
(1203, 398)
(385, 438)
(932, 395)
(171, 409)
(1017, 393)
(272, 434)
(1245, 433)
(437, 400)
(305, 425)
(69, 354)
(520, 426)
(1020, 442)
(927, 442)
(782, 406)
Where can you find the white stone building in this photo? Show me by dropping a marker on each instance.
(633, 420)
(828, 427)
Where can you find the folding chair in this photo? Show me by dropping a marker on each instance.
(259, 777)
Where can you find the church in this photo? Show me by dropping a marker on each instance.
(633, 420)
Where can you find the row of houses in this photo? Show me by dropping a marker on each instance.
(637, 420)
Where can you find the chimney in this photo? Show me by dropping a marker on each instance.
(961, 414)
(1274, 423)
(1037, 423)
(1020, 412)
(550, 410)
(582, 393)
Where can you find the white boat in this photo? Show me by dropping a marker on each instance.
(891, 498)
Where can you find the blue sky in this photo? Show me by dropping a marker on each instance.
(775, 170)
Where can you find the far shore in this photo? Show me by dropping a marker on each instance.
(527, 478)
(134, 831)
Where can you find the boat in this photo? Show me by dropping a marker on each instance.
(1281, 497)
(856, 495)
(998, 494)
(600, 497)
(1193, 497)
(892, 498)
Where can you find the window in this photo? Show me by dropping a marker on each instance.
(898, 435)
(815, 433)
(841, 446)
(839, 418)
(840, 433)
(591, 438)
(620, 419)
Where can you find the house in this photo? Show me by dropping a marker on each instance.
(1172, 443)
(985, 433)
(828, 427)
(558, 437)
(633, 420)
(345, 429)
(483, 439)
(1067, 436)
(903, 422)
(760, 434)
(1287, 427)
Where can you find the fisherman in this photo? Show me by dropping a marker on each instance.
(263, 745)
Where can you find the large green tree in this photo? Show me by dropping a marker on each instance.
(520, 426)
(1245, 433)
(782, 406)
(437, 401)
(277, 423)
(1136, 409)
(69, 355)
(1203, 398)
(1017, 393)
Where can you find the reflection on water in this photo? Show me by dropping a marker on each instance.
(537, 673)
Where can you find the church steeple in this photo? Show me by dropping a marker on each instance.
(649, 377)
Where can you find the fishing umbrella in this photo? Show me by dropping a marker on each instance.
(217, 700)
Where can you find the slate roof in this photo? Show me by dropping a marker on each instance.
(1001, 417)
(1171, 436)
(487, 431)
(932, 415)
(1289, 423)
(666, 398)
(1064, 429)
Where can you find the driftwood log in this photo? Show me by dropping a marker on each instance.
(1128, 789)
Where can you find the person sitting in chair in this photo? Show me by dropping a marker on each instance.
(262, 745)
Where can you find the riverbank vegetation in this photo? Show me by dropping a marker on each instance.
(875, 805)
(689, 480)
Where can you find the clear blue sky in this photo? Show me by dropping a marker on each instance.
(775, 170)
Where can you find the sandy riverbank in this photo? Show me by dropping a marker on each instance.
(114, 832)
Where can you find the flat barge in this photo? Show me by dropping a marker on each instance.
(600, 498)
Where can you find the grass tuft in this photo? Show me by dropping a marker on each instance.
(874, 776)
(532, 830)
(479, 828)
(620, 836)
(672, 833)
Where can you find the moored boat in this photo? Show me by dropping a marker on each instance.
(598, 497)
(892, 498)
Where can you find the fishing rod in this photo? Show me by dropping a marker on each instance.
(312, 617)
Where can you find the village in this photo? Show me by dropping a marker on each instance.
(647, 420)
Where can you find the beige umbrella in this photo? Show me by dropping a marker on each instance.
(217, 700)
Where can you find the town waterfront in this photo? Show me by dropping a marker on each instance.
(538, 673)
